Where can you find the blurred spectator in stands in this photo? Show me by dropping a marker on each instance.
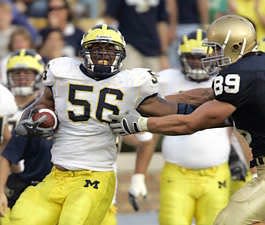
(144, 27)
(191, 14)
(32, 8)
(52, 45)
(86, 9)
(172, 21)
(20, 38)
(217, 8)
(18, 18)
(59, 16)
(6, 27)
(253, 10)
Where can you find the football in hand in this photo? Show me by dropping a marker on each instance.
(50, 121)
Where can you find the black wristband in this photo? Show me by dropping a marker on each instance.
(184, 108)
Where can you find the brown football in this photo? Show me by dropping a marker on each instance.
(50, 121)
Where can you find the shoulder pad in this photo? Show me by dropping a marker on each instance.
(64, 67)
(141, 75)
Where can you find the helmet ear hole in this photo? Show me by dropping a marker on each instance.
(235, 46)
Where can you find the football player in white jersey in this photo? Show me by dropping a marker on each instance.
(184, 172)
(80, 188)
(195, 180)
(8, 108)
(28, 157)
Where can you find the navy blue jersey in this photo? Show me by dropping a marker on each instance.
(36, 153)
(242, 84)
(138, 22)
(188, 12)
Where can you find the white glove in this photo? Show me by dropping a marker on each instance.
(128, 123)
(28, 127)
(137, 188)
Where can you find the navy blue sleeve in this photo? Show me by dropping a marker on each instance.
(162, 12)
(15, 148)
(113, 8)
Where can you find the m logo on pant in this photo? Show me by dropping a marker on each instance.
(222, 184)
(94, 184)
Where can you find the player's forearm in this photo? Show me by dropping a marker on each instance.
(196, 96)
(5, 170)
(143, 156)
(169, 125)
(209, 115)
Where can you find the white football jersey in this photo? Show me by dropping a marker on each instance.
(202, 149)
(84, 139)
(8, 107)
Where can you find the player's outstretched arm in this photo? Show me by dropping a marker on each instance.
(195, 97)
(211, 114)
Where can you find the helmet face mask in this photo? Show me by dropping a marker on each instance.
(215, 58)
(193, 68)
(191, 51)
(23, 72)
(22, 81)
(229, 38)
(103, 49)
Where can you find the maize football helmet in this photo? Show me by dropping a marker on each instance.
(191, 51)
(103, 49)
(23, 72)
(229, 38)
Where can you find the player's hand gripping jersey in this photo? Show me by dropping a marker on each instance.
(242, 85)
(85, 140)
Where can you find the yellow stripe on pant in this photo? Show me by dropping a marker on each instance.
(66, 198)
(189, 193)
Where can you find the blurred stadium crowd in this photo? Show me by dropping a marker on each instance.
(153, 32)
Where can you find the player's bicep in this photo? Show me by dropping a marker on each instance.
(196, 96)
(157, 106)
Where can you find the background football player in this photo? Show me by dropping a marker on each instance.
(192, 186)
(237, 90)
(83, 94)
(29, 156)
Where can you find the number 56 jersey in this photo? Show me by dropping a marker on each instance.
(84, 139)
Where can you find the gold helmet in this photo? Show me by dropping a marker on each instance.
(103, 49)
(229, 38)
(23, 71)
(191, 51)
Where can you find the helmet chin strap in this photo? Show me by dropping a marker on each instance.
(102, 69)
